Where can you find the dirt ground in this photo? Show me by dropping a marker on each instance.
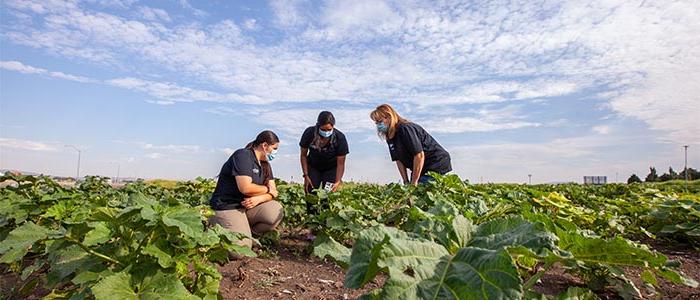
(288, 271)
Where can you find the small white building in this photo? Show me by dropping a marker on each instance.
(595, 179)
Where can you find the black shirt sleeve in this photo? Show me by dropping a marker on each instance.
(271, 176)
(343, 148)
(307, 137)
(410, 139)
(242, 164)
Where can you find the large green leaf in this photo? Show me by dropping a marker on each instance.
(473, 273)
(158, 286)
(164, 259)
(514, 231)
(98, 235)
(20, 240)
(66, 261)
(365, 254)
(463, 229)
(324, 246)
(187, 220)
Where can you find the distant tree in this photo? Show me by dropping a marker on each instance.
(671, 175)
(652, 176)
(692, 174)
(634, 179)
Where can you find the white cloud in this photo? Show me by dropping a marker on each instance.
(28, 144)
(602, 129)
(121, 4)
(646, 55)
(197, 12)
(154, 155)
(468, 124)
(19, 67)
(287, 13)
(294, 121)
(25, 69)
(250, 24)
(153, 14)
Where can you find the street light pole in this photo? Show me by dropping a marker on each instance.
(529, 179)
(118, 167)
(685, 168)
(77, 173)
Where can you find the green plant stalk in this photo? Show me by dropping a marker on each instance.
(533, 280)
(143, 242)
(93, 252)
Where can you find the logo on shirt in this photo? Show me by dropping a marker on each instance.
(256, 171)
(391, 147)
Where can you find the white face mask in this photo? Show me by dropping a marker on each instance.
(325, 134)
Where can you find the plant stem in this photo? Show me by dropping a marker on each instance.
(533, 280)
(93, 252)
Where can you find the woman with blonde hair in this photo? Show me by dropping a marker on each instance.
(410, 146)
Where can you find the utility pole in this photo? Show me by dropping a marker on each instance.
(529, 179)
(118, 169)
(77, 173)
(685, 168)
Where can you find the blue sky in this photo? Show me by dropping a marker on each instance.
(168, 89)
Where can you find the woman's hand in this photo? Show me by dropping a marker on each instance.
(251, 202)
(336, 185)
(308, 185)
(273, 189)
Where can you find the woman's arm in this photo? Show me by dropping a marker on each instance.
(402, 171)
(418, 161)
(254, 201)
(340, 170)
(303, 158)
(247, 187)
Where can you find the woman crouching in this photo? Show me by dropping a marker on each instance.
(243, 198)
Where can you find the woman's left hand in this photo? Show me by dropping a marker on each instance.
(249, 203)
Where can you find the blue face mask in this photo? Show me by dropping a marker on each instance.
(325, 134)
(381, 127)
(271, 155)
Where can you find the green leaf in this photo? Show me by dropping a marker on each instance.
(365, 254)
(463, 230)
(89, 276)
(98, 235)
(473, 273)
(577, 293)
(68, 260)
(649, 277)
(164, 259)
(514, 231)
(325, 245)
(189, 221)
(20, 240)
(617, 251)
(29, 270)
(158, 286)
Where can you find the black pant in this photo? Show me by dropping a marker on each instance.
(319, 180)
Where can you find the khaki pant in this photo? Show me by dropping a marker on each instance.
(259, 219)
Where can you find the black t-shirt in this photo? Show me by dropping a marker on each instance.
(409, 140)
(241, 163)
(323, 158)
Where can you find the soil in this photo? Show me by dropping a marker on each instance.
(557, 280)
(288, 271)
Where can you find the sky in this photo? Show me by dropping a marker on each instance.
(169, 89)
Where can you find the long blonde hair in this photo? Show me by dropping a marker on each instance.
(386, 111)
